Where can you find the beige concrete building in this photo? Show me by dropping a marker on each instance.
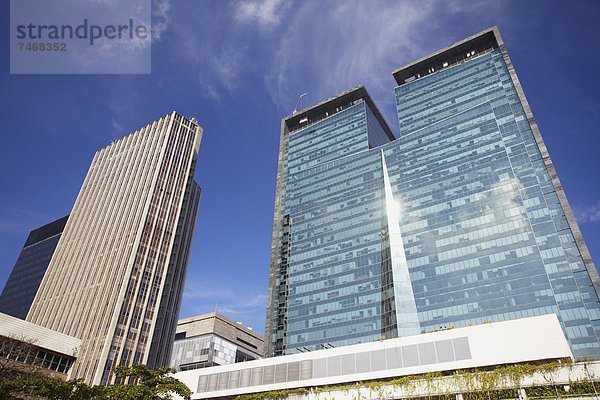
(116, 278)
(213, 339)
(34, 350)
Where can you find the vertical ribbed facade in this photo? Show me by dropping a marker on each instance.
(164, 331)
(116, 277)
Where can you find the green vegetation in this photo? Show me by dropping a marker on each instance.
(273, 394)
(499, 383)
(135, 383)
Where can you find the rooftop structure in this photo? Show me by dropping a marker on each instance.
(313, 114)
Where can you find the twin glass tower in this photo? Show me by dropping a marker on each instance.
(462, 220)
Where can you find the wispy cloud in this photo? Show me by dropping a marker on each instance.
(592, 108)
(255, 302)
(17, 220)
(124, 101)
(217, 69)
(587, 214)
(473, 6)
(160, 18)
(202, 291)
(214, 64)
(266, 14)
(328, 47)
(247, 304)
(319, 47)
(353, 42)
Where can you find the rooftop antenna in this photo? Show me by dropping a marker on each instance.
(299, 102)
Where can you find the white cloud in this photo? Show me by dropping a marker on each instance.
(195, 290)
(319, 47)
(116, 126)
(209, 50)
(473, 6)
(160, 18)
(246, 304)
(19, 221)
(241, 307)
(124, 102)
(216, 68)
(328, 47)
(265, 13)
(226, 298)
(587, 214)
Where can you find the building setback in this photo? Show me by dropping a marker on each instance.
(460, 221)
(116, 278)
(213, 339)
(25, 278)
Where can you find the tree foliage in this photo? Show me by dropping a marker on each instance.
(146, 384)
(50, 389)
(135, 383)
(17, 358)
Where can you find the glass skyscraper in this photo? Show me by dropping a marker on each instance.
(27, 274)
(462, 220)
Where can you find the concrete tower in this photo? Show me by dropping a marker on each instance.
(116, 278)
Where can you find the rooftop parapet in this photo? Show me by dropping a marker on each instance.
(457, 53)
(331, 106)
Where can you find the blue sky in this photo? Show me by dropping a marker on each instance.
(238, 67)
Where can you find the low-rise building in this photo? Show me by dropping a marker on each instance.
(36, 350)
(490, 357)
(212, 339)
